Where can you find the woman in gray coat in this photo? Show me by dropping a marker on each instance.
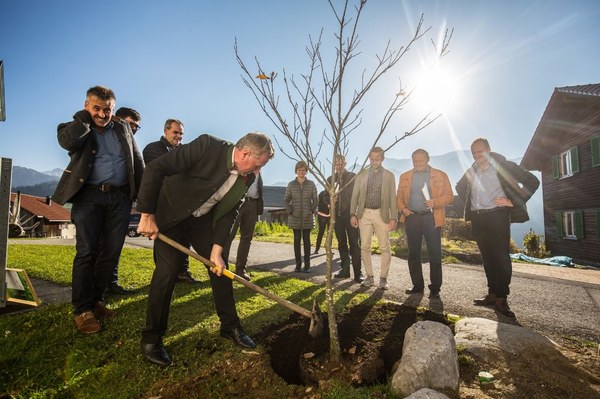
(301, 203)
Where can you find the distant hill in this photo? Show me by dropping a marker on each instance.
(22, 177)
(39, 190)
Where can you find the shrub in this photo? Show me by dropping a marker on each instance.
(280, 229)
(534, 246)
(262, 229)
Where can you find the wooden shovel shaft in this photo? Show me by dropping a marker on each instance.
(284, 302)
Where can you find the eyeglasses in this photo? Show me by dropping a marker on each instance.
(134, 126)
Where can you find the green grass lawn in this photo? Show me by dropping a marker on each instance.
(42, 355)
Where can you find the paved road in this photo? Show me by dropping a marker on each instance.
(551, 300)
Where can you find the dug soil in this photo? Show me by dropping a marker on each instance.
(371, 339)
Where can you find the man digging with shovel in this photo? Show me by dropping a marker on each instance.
(193, 194)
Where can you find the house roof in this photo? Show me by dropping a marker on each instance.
(273, 196)
(37, 206)
(573, 108)
(585, 90)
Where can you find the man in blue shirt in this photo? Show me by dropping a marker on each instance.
(101, 181)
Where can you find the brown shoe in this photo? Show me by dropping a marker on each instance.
(489, 299)
(101, 311)
(87, 323)
(501, 306)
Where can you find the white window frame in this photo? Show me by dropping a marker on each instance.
(565, 164)
(569, 228)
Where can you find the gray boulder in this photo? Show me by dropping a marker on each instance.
(427, 393)
(483, 338)
(429, 360)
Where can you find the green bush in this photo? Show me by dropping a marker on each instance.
(262, 229)
(534, 246)
(279, 229)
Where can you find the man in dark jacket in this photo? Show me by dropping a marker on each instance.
(346, 234)
(495, 192)
(192, 194)
(172, 137)
(101, 182)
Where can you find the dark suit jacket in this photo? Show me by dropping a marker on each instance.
(177, 183)
(76, 138)
(345, 197)
(156, 149)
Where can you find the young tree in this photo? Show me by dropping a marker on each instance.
(321, 96)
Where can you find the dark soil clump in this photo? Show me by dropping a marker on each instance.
(371, 339)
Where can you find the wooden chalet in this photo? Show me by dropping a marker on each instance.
(40, 217)
(565, 148)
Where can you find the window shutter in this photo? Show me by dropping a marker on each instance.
(598, 224)
(574, 160)
(596, 151)
(555, 169)
(579, 224)
(559, 224)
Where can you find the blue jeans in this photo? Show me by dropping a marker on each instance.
(419, 227)
(101, 220)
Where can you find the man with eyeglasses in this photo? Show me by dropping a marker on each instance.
(171, 139)
(131, 116)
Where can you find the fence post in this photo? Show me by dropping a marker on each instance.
(5, 181)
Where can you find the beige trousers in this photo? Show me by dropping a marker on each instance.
(370, 222)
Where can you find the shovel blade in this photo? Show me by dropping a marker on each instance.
(316, 321)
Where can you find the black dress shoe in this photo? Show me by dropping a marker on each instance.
(156, 353)
(501, 306)
(489, 299)
(359, 279)
(434, 295)
(414, 290)
(244, 275)
(186, 277)
(238, 336)
(341, 275)
(118, 290)
(306, 270)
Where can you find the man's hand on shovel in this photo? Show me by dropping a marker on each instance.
(147, 226)
(216, 257)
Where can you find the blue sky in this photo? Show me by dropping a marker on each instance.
(175, 60)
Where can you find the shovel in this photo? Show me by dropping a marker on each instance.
(316, 321)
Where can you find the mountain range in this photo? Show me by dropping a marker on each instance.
(30, 181)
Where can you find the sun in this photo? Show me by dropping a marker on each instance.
(437, 88)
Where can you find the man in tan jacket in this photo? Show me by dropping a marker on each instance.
(373, 208)
(423, 193)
